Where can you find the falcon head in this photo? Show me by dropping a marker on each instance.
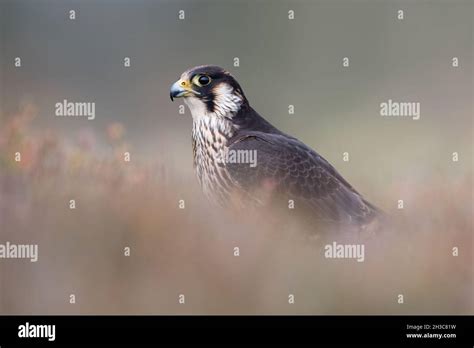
(209, 90)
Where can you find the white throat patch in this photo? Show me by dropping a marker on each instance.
(196, 106)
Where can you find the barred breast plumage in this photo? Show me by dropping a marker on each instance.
(210, 137)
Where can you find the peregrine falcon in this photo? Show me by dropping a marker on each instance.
(227, 131)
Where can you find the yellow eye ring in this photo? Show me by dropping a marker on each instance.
(201, 80)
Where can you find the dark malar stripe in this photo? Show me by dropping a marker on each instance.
(210, 102)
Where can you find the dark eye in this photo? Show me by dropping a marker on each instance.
(202, 80)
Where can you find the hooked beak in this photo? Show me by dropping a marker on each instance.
(181, 88)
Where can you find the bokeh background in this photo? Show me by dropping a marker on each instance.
(190, 251)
